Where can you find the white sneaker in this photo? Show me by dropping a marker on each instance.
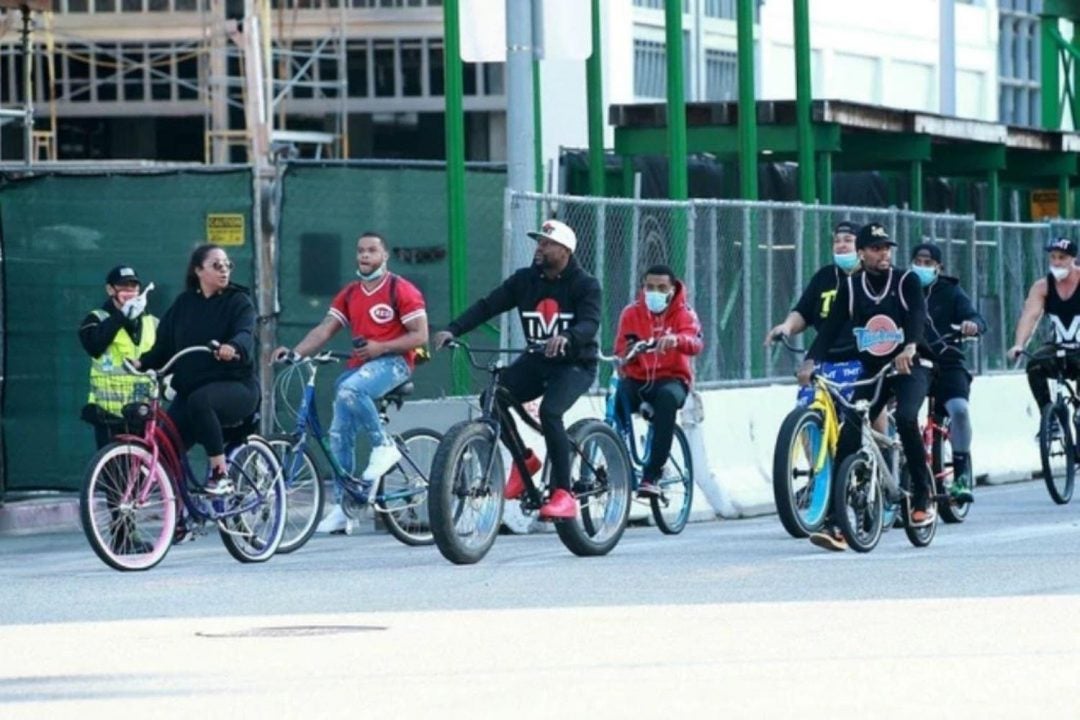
(383, 458)
(336, 521)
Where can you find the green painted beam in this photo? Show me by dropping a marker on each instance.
(1024, 165)
(872, 151)
(915, 192)
(1068, 9)
(993, 198)
(825, 177)
(966, 160)
(1050, 74)
(724, 140)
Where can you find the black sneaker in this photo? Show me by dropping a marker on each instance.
(648, 488)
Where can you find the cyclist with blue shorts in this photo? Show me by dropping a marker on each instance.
(841, 361)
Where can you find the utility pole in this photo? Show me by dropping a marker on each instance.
(803, 98)
(455, 177)
(595, 88)
(748, 185)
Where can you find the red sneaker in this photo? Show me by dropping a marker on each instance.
(515, 486)
(562, 505)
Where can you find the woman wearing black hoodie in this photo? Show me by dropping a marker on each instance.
(216, 389)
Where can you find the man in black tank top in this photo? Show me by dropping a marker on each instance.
(886, 310)
(1057, 295)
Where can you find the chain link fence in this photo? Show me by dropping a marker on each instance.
(746, 263)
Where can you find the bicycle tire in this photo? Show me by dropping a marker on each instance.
(923, 535)
(671, 509)
(941, 465)
(858, 503)
(402, 497)
(116, 540)
(253, 535)
(305, 494)
(802, 510)
(601, 488)
(1059, 481)
(459, 492)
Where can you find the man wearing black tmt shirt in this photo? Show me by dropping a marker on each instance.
(885, 310)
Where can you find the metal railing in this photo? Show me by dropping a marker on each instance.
(746, 263)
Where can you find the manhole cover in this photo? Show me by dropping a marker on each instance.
(292, 631)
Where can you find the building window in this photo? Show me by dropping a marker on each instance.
(721, 75)
(1019, 90)
(650, 70)
(720, 9)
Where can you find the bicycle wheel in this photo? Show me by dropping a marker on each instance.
(128, 507)
(465, 494)
(800, 485)
(403, 495)
(672, 508)
(1056, 451)
(941, 459)
(858, 502)
(304, 491)
(600, 474)
(255, 521)
(923, 535)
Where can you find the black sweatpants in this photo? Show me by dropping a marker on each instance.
(1044, 366)
(560, 384)
(666, 397)
(910, 393)
(200, 415)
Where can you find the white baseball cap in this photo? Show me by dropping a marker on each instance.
(556, 232)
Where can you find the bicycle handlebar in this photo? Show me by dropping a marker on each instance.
(471, 352)
(164, 369)
(783, 340)
(639, 347)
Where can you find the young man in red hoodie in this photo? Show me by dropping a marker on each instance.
(662, 377)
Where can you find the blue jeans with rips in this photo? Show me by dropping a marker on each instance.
(354, 407)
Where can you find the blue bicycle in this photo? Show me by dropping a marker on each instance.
(400, 496)
(671, 508)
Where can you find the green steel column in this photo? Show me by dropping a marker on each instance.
(678, 174)
(538, 128)
(676, 102)
(594, 82)
(915, 175)
(1051, 76)
(824, 181)
(1064, 199)
(993, 196)
(748, 185)
(803, 97)
(455, 176)
(627, 175)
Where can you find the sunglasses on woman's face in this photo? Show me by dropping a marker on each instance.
(223, 265)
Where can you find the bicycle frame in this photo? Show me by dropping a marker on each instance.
(309, 425)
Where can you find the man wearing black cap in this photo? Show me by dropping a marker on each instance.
(887, 314)
(949, 307)
(841, 360)
(1057, 296)
(119, 330)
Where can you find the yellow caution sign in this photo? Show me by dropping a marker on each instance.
(225, 229)
(1045, 204)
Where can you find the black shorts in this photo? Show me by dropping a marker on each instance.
(949, 382)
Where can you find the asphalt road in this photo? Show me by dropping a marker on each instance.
(732, 617)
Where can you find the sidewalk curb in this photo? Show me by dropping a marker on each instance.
(40, 516)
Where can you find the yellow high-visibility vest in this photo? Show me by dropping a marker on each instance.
(110, 387)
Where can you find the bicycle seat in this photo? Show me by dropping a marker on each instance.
(396, 396)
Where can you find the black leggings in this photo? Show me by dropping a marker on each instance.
(666, 397)
(1044, 366)
(910, 392)
(561, 384)
(200, 415)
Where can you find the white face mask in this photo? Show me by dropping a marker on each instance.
(1059, 273)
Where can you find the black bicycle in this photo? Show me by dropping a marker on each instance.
(465, 496)
(1059, 425)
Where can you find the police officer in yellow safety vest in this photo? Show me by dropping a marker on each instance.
(119, 329)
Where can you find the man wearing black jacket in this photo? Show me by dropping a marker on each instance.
(559, 305)
(947, 305)
(886, 310)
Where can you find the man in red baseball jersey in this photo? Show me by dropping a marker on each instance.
(387, 318)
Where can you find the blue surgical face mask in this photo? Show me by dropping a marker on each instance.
(373, 275)
(657, 301)
(846, 261)
(926, 275)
